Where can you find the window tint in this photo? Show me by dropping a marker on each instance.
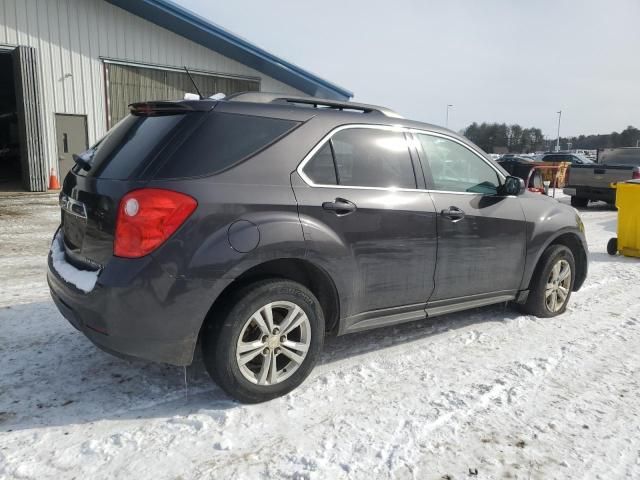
(222, 140)
(130, 143)
(373, 158)
(455, 168)
(321, 169)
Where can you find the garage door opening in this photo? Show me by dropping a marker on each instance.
(10, 168)
(22, 162)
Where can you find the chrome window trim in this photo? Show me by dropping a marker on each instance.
(393, 128)
(327, 137)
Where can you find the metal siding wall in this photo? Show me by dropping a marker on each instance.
(71, 36)
(128, 84)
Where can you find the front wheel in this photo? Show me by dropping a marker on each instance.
(552, 283)
(267, 342)
(612, 246)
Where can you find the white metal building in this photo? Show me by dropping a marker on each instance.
(69, 68)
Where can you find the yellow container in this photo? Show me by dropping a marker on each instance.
(628, 203)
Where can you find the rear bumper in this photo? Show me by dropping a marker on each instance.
(137, 310)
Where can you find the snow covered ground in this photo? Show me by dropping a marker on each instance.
(487, 391)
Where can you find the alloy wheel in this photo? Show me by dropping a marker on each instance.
(273, 343)
(558, 285)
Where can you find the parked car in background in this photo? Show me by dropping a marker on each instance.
(524, 168)
(573, 158)
(257, 225)
(592, 182)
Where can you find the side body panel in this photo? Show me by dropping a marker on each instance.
(546, 221)
(482, 253)
(381, 256)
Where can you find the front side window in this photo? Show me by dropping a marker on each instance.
(363, 157)
(455, 168)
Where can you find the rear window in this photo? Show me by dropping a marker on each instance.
(621, 157)
(221, 141)
(131, 143)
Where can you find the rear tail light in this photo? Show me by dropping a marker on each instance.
(147, 218)
(636, 173)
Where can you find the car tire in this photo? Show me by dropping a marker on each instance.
(546, 282)
(612, 246)
(579, 202)
(256, 316)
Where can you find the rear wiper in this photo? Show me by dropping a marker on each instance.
(83, 160)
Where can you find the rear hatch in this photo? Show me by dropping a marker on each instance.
(117, 164)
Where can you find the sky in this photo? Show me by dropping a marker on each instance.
(513, 61)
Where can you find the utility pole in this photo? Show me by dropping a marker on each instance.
(447, 121)
(558, 140)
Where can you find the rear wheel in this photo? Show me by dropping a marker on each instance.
(552, 283)
(612, 246)
(579, 202)
(268, 341)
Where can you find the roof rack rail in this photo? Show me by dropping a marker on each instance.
(320, 103)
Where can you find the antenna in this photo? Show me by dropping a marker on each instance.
(193, 81)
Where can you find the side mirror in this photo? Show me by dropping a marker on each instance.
(512, 186)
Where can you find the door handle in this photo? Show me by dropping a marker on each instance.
(340, 207)
(454, 214)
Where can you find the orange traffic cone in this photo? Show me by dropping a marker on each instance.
(54, 184)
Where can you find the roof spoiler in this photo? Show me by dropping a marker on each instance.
(159, 108)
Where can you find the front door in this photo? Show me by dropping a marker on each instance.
(481, 235)
(365, 221)
(71, 137)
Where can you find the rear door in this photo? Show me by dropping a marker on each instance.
(481, 235)
(366, 221)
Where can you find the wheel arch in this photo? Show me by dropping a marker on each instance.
(316, 279)
(573, 242)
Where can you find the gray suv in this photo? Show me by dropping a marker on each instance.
(257, 225)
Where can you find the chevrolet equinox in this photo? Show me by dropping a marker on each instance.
(256, 225)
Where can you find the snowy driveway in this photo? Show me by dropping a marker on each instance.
(487, 391)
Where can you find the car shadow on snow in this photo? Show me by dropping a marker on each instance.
(51, 375)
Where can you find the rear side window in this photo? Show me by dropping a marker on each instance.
(364, 157)
(130, 143)
(221, 141)
(321, 168)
